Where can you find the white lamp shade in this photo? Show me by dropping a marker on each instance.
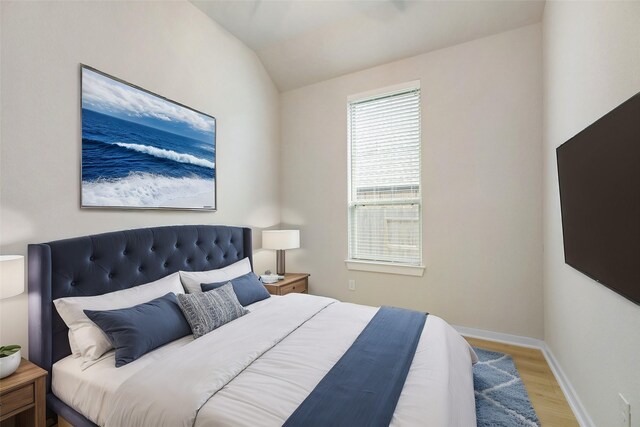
(11, 275)
(281, 239)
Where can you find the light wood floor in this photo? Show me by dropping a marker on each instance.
(543, 389)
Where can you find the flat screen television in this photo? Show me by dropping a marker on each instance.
(599, 176)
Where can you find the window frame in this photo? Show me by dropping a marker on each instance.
(382, 266)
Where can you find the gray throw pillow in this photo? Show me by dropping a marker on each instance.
(206, 311)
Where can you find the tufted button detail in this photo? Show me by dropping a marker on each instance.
(215, 242)
(73, 283)
(224, 256)
(177, 245)
(110, 275)
(92, 258)
(152, 249)
(140, 268)
(125, 252)
(188, 261)
(208, 257)
(166, 264)
(198, 242)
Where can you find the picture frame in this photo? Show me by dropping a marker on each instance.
(141, 150)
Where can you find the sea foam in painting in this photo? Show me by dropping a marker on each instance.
(142, 151)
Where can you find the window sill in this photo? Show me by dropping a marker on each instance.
(385, 267)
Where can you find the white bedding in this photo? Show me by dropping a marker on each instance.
(438, 390)
(91, 391)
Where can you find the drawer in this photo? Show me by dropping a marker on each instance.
(299, 287)
(17, 399)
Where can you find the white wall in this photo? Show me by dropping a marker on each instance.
(170, 48)
(482, 133)
(591, 65)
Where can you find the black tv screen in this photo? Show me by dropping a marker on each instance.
(599, 175)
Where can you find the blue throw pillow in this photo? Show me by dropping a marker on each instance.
(248, 288)
(137, 330)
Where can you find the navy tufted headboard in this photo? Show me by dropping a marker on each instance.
(102, 263)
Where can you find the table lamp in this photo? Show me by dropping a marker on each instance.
(11, 284)
(280, 240)
(11, 275)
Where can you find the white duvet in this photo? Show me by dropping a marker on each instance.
(256, 370)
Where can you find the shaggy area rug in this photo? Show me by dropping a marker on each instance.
(501, 399)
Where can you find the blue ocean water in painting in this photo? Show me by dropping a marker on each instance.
(130, 164)
(115, 148)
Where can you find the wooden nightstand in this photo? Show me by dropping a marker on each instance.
(22, 394)
(292, 283)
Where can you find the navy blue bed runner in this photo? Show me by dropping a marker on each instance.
(363, 387)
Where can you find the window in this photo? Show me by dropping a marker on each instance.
(385, 202)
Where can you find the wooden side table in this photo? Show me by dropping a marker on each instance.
(22, 395)
(292, 283)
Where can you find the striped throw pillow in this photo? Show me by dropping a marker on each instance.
(206, 311)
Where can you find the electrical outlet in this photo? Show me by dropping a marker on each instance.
(625, 411)
(352, 285)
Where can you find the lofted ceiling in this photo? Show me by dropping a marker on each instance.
(301, 42)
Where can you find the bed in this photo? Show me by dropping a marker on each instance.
(273, 358)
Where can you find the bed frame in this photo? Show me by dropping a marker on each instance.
(102, 263)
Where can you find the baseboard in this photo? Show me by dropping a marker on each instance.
(570, 394)
(500, 337)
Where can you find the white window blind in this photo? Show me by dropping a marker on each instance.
(385, 219)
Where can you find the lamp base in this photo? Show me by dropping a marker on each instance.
(280, 262)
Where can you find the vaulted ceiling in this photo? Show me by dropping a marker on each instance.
(301, 42)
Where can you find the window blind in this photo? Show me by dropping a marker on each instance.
(384, 178)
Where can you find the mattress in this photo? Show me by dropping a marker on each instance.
(91, 391)
(438, 390)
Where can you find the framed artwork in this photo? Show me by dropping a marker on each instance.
(143, 151)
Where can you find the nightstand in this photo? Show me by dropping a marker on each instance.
(292, 283)
(22, 394)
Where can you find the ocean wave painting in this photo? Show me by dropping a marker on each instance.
(140, 150)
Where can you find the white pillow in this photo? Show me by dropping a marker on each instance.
(192, 279)
(85, 338)
(75, 350)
